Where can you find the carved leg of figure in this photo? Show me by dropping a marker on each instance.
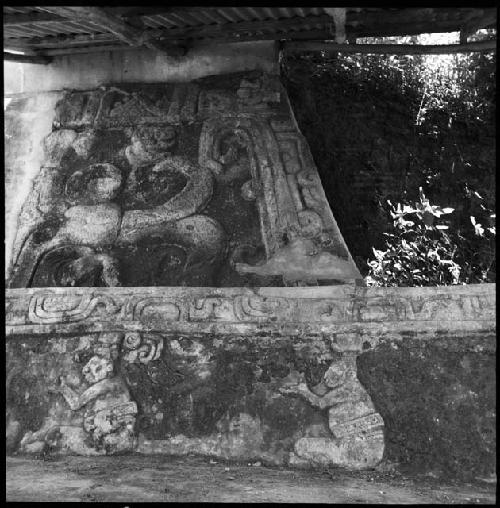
(74, 440)
(119, 442)
(85, 266)
(35, 442)
(355, 452)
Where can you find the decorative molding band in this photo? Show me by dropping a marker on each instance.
(350, 315)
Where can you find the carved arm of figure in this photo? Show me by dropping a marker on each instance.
(85, 265)
(76, 401)
(332, 397)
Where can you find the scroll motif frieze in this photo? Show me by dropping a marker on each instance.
(151, 309)
(210, 309)
(251, 308)
(121, 306)
(46, 308)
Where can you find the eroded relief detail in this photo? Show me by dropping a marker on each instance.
(93, 413)
(142, 347)
(48, 308)
(218, 372)
(200, 172)
(357, 428)
(121, 307)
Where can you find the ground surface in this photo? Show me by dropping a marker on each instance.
(189, 479)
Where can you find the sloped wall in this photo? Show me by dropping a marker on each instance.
(206, 183)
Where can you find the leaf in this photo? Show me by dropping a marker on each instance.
(441, 226)
(473, 220)
(448, 210)
(379, 254)
(478, 228)
(428, 218)
(408, 209)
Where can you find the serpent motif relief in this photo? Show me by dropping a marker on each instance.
(88, 217)
(192, 184)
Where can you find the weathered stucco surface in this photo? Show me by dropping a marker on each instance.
(27, 122)
(206, 183)
(339, 375)
(153, 262)
(90, 70)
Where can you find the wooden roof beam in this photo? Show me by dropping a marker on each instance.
(12, 20)
(486, 18)
(230, 31)
(100, 18)
(242, 27)
(111, 23)
(338, 15)
(34, 59)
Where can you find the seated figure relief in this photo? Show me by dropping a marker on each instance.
(101, 417)
(357, 428)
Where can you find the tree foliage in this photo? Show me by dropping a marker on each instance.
(446, 127)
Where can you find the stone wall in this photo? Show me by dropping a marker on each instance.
(160, 224)
(324, 376)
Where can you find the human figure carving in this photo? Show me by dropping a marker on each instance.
(103, 224)
(356, 427)
(302, 260)
(106, 425)
(86, 267)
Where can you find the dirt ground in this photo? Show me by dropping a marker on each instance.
(135, 478)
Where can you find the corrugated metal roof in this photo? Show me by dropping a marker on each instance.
(34, 28)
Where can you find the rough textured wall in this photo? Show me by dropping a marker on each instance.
(324, 376)
(27, 122)
(207, 183)
(439, 406)
(84, 71)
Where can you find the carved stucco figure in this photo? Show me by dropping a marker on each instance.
(99, 223)
(301, 260)
(254, 118)
(101, 418)
(301, 238)
(357, 428)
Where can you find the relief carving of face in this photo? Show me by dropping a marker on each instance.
(339, 372)
(98, 184)
(97, 369)
(147, 143)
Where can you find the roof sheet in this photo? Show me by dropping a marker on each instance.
(33, 29)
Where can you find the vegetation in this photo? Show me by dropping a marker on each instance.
(433, 117)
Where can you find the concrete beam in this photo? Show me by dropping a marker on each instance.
(34, 59)
(390, 49)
